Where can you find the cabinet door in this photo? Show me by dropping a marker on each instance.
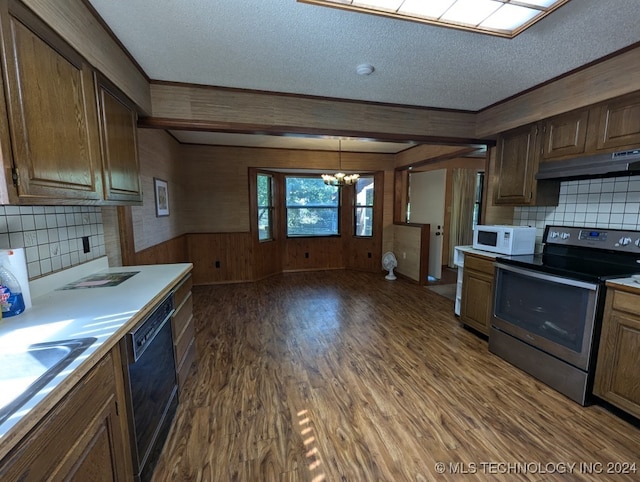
(617, 378)
(118, 141)
(94, 457)
(565, 135)
(516, 163)
(619, 124)
(83, 438)
(477, 298)
(52, 112)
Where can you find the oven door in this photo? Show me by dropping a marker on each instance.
(552, 313)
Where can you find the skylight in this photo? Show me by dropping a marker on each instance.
(504, 18)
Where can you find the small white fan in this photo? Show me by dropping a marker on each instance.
(389, 262)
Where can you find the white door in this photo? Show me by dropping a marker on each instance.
(427, 198)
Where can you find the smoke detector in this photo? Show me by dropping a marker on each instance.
(365, 69)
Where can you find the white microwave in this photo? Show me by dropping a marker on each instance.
(505, 239)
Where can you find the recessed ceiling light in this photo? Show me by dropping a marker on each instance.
(504, 18)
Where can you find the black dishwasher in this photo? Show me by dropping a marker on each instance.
(150, 379)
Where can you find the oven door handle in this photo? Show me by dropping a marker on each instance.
(548, 277)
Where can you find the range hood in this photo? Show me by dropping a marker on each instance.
(624, 163)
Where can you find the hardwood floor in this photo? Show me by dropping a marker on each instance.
(338, 375)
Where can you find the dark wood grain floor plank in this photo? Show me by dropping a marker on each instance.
(344, 376)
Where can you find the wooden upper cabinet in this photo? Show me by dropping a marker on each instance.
(118, 141)
(564, 135)
(51, 107)
(516, 163)
(619, 123)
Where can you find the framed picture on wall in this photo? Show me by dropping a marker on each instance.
(161, 190)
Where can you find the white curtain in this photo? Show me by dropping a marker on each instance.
(462, 203)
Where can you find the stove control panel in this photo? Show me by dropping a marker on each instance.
(592, 235)
(609, 239)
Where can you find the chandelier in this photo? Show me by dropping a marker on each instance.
(340, 179)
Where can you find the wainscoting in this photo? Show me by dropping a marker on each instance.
(239, 257)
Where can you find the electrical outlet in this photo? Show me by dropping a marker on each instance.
(306, 255)
(404, 255)
(86, 248)
(217, 264)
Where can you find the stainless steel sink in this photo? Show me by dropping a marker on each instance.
(24, 374)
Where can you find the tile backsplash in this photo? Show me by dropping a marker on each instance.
(598, 203)
(52, 235)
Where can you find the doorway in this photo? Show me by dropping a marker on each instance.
(427, 206)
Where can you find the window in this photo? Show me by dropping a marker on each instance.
(363, 207)
(312, 207)
(503, 18)
(265, 207)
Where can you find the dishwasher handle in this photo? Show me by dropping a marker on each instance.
(144, 333)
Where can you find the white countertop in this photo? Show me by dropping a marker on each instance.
(626, 283)
(105, 313)
(471, 249)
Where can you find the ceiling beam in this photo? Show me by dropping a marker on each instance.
(186, 106)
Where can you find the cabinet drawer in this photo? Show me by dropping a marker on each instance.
(628, 302)
(184, 368)
(478, 264)
(184, 340)
(182, 291)
(181, 318)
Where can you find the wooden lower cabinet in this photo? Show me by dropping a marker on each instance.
(617, 377)
(84, 438)
(477, 292)
(184, 346)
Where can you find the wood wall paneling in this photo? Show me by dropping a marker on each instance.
(401, 189)
(305, 254)
(426, 153)
(220, 257)
(613, 77)
(411, 248)
(112, 235)
(160, 156)
(218, 176)
(184, 105)
(171, 251)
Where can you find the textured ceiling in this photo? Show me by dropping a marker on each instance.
(286, 46)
